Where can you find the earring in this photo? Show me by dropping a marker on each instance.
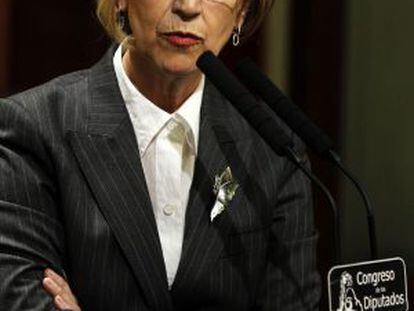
(236, 36)
(121, 19)
(124, 22)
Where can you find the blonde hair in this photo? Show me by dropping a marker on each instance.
(108, 16)
(256, 12)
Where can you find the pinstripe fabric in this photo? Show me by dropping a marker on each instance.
(73, 197)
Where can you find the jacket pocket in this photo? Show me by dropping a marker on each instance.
(248, 241)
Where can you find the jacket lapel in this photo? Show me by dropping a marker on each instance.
(107, 153)
(203, 240)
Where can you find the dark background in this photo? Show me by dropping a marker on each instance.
(40, 40)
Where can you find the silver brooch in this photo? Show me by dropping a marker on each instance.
(225, 187)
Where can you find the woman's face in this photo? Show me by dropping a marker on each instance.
(171, 34)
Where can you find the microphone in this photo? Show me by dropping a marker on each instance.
(244, 102)
(264, 124)
(311, 134)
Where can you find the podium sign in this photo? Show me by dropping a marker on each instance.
(379, 285)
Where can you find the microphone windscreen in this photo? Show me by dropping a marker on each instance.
(241, 98)
(260, 84)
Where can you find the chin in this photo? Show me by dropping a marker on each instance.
(180, 67)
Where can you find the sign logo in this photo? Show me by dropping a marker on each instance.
(379, 285)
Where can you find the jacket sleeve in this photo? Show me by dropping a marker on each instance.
(31, 235)
(292, 281)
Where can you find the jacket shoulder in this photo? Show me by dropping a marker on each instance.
(64, 85)
(56, 105)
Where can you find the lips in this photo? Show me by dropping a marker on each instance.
(182, 39)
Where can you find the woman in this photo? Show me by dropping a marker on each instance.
(115, 174)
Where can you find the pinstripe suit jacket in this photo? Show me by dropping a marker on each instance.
(73, 197)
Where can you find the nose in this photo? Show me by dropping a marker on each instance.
(187, 9)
